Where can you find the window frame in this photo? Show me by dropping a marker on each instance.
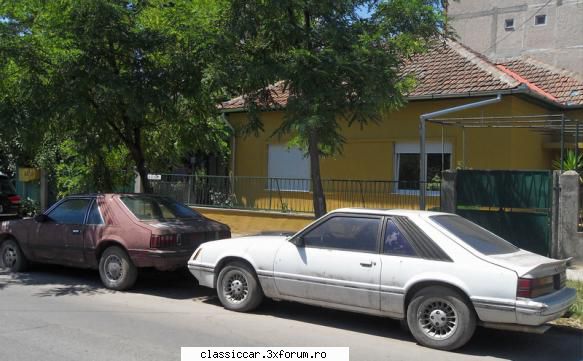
(94, 202)
(323, 220)
(404, 233)
(414, 149)
(64, 200)
(509, 27)
(539, 16)
(270, 184)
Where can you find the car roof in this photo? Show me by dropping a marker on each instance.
(388, 212)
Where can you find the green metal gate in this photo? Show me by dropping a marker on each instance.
(516, 205)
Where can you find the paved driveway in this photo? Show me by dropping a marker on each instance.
(55, 313)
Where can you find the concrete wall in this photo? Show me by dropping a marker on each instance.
(244, 222)
(480, 25)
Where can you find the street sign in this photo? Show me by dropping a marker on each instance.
(154, 176)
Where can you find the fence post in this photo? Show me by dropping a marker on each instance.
(568, 216)
(189, 189)
(447, 199)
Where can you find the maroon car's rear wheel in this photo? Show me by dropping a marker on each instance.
(116, 269)
(11, 256)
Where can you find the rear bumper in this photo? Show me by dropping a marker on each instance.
(536, 311)
(160, 259)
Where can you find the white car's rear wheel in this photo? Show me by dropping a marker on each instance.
(439, 317)
(238, 288)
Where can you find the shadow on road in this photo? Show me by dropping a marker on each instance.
(65, 281)
(556, 344)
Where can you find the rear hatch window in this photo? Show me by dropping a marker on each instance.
(474, 236)
(158, 208)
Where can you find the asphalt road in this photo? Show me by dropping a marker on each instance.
(55, 313)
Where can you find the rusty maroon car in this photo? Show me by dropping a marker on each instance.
(114, 233)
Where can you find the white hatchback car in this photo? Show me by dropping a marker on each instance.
(440, 272)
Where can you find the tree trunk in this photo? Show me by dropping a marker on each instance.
(318, 191)
(139, 160)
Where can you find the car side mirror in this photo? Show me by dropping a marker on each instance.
(42, 218)
(298, 241)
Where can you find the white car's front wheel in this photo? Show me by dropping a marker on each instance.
(238, 288)
(440, 318)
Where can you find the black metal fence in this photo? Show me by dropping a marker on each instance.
(291, 195)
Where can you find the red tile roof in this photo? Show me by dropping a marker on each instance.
(450, 69)
(564, 86)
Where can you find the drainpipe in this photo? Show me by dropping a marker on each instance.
(423, 154)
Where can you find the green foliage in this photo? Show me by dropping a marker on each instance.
(104, 169)
(112, 73)
(576, 310)
(571, 161)
(339, 67)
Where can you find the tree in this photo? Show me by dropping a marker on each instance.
(127, 73)
(340, 62)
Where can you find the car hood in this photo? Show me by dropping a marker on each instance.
(529, 264)
(248, 243)
(259, 250)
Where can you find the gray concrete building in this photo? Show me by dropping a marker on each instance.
(550, 31)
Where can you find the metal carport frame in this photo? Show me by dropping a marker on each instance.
(545, 123)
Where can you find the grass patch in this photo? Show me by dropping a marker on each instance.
(574, 317)
(576, 310)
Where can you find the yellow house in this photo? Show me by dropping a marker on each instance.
(380, 163)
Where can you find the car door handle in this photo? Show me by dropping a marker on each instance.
(367, 264)
(76, 231)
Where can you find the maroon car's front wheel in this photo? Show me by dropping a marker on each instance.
(116, 269)
(11, 256)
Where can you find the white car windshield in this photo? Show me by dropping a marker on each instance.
(474, 236)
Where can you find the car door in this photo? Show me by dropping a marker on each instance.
(406, 252)
(338, 263)
(92, 232)
(60, 238)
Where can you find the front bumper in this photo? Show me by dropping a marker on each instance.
(536, 311)
(162, 260)
(204, 273)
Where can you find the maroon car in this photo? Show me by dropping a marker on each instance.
(116, 233)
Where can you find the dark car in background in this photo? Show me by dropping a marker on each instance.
(114, 233)
(9, 200)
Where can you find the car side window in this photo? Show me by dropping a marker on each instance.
(395, 242)
(71, 211)
(94, 215)
(346, 233)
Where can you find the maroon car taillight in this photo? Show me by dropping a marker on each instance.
(14, 199)
(163, 241)
(535, 287)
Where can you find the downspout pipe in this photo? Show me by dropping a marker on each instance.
(423, 118)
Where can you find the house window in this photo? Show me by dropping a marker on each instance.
(288, 169)
(509, 24)
(407, 164)
(540, 20)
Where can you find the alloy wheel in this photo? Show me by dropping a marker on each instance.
(438, 318)
(113, 268)
(235, 287)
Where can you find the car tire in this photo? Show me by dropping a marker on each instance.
(238, 288)
(12, 257)
(116, 269)
(440, 318)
